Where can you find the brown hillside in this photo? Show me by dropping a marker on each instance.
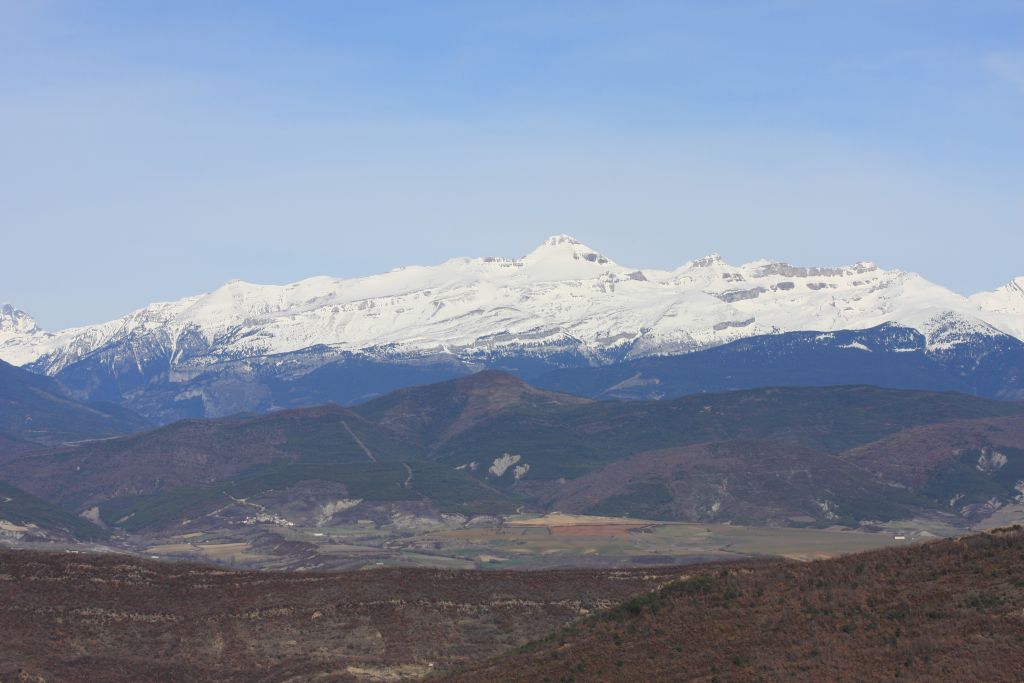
(11, 446)
(743, 482)
(434, 413)
(910, 456)
(73, 617)
(946, 611)
(187, 453)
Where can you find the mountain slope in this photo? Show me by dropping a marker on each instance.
(969, 467)
(121, 619)
(774, 456)
(248, 347)
(970, 471)
(567, 441)
(942, 611)
(1007, 302)
(886, 356)
(194, 468)
(490, 443)
(10, 445)
(763, 482)
(37, 408)
(435, 413)
(23, 515)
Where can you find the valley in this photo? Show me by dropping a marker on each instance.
(245, 534)
(458, 473)
(516, 542)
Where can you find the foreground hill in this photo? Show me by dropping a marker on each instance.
(947, 610)
(944, 611)
(36, 408)
(75, 617)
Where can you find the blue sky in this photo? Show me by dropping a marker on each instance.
(155, 150)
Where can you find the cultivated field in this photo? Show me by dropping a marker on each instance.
(521, 542)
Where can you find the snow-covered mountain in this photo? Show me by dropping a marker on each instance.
(564, 299)
(18, 329)
(1006, 305)
(562, 292)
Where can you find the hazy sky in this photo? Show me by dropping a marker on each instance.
(152, 150)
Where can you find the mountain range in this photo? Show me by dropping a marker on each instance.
(564, 316)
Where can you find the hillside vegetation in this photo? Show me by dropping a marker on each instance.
(492, 444)
(42, 520)
(37, 408)
(944, 611)
(80, 617)
(193, 467)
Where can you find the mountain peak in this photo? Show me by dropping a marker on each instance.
(1012, 291)
(712, 259)
(15, 321)
(563, 248)
(555, 240)
(449, 408)
(489, 379)
(495, 390)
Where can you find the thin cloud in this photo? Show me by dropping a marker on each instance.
(1008, 66)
